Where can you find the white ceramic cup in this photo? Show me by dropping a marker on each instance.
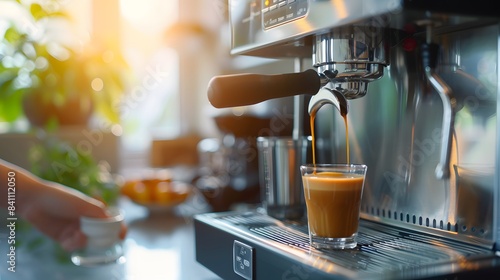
(103, 240)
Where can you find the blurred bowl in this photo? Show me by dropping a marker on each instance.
(157, 195)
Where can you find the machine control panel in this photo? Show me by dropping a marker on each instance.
(277, 12)
(243, 260)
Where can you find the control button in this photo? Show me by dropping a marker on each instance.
(281, 4)
(243, 260)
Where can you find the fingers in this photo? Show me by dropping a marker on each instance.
(49, 225)
(123, 231)
(65, 231)
(74, 203)
(72, 239)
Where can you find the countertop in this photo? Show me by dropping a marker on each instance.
(157, 246)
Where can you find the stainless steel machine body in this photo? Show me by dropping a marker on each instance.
(424, 122)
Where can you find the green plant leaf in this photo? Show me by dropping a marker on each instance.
(10, 102)
(35, 243)
(7, 77)
(37, 11)
(62, 162)
(11, 35)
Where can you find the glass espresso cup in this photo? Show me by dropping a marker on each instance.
(333, 199)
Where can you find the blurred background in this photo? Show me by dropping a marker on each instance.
(110, 97)
(154, 61)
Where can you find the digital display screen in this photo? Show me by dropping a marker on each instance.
(277, 12)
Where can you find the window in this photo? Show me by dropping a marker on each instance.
(152, 107)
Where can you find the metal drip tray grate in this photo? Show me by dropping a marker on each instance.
(380, 249)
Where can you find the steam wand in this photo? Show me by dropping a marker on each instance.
(430, 53)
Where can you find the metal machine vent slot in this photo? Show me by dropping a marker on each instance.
(248, 219)
(422, 221)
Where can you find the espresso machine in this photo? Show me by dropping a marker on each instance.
(419, 84)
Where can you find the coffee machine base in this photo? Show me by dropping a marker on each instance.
(252, 245)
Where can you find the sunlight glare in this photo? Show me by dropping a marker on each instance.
(135, 11)
(149, 15)
(97, 84)
(145, 263)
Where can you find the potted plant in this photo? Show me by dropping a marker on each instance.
(50, 82)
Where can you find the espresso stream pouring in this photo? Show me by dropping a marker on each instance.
(279, 157)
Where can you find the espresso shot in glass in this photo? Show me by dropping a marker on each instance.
(333, 195)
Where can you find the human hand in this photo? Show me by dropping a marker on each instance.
(53, 208)
(56, 212)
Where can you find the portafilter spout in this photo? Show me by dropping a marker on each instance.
(328, 96)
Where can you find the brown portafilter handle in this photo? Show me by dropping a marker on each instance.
(247, 89)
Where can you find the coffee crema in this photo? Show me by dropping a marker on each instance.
(333, 203)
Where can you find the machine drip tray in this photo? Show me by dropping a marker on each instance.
(275, 249)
